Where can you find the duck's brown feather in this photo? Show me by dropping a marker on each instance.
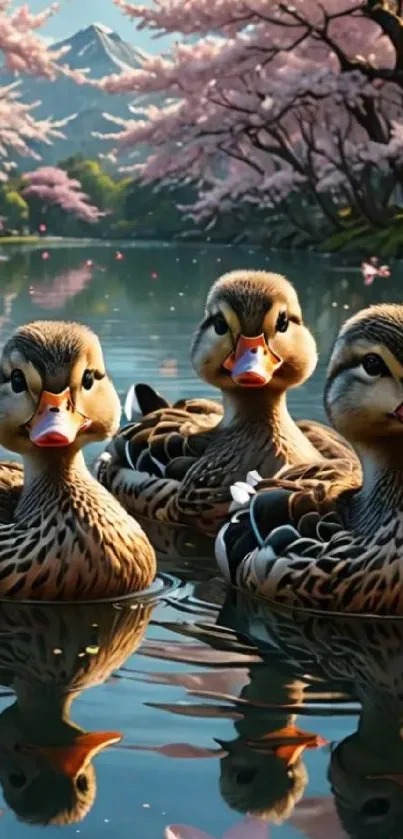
(11, 486)
(177, 464)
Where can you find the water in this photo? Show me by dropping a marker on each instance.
(198, 719)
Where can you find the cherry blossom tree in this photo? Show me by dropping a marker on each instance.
(23, 51)
(275, 100)
(54, 187)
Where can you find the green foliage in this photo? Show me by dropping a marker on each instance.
(15, 209)
(363, 238)
(138, 211)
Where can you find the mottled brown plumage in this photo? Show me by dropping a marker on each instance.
(286, 545)
(63, 537)
(178, 462)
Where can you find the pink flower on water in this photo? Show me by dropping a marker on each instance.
(248, 829)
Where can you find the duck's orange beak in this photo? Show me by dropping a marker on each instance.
(289, 743)
(56, 422)
(253, 362)
(70, 760)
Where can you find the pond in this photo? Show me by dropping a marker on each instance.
(194, 707)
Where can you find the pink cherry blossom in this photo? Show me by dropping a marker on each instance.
(23, 51)
(283, 99)
(55, 187)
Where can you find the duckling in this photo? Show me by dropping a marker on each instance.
(177, 464)
(350, 560)
(68, 537)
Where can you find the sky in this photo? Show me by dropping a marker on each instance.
(77, 14)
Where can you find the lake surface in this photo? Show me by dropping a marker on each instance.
(204, 724)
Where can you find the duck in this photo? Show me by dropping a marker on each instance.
(347, 557)
(176, 463)
(62, 535)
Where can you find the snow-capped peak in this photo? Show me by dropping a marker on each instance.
(102, 28)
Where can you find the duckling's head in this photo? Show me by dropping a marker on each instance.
(261, 783)
(364, 388)
(252, 335)
(50, 785)
(54, 390)
(368, 797)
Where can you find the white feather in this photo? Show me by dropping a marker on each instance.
(131, 406)
(240, 493)
(253, 478)
(221, 553)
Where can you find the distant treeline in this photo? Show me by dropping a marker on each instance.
(131, 209)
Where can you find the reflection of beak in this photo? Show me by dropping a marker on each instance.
(253, 362)
(388, 776)
(288, 743)
(70, 760)
(56, 422)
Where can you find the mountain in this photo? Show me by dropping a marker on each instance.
(103, 52)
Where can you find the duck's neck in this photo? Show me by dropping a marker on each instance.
(57, 466)
(261, 403)
(381, 717)
(381, 496)
(58, 476)
(266, 412)
(40, 715)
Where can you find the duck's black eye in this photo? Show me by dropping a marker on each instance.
(374, 365)
(375, 808)
(282, 322)
(88, 380)
(17, 779)
(220, 324)
(82, 783)
(18, 381)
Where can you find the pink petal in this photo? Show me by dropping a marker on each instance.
(317, 817)
(178, 750)
(248, 829)
(184, 831)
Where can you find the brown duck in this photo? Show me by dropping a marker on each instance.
(178, 462)
(337, 546)
(62, 536)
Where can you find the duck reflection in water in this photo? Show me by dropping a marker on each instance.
(261, 769)
(263, 772)
(365, 656)
(48, 656)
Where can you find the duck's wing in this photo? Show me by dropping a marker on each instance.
(146, 460)
(301, 503)
(316, 487)
(208, 407)
(148, 399)
(312, 565)
(142, 399)
(326, 440)
(161, 438)
(11, 486)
